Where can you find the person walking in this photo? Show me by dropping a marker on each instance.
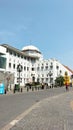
(67, 87)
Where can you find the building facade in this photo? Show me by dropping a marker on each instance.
(34, 67)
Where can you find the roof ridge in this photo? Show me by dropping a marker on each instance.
(68, 68)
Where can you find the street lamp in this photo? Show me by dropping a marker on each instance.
(19, 69)
(50, 74)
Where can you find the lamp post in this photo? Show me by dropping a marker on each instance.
(50, 74)
(19, 69)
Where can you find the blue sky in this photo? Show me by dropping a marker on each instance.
(46, 24)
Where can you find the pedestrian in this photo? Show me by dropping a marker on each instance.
(5, 91)
(67, 87)
(21, 90)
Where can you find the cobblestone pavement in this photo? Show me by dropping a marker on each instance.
(54, 113)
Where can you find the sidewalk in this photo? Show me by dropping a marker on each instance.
(9, 92)
(54, 113)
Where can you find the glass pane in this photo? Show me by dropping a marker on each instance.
(2, 62)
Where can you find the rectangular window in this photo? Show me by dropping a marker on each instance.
(22, 57)
(14, 54)
(46, 67)
(19, 80)
(2, 62)
(27, 68)
(38, 68)
(9, 65)
(24, 67)
(7, 50)
(46, 79)
(13, 66)
(18, 55)
(10, 52)
(42, 68)
(32, 69)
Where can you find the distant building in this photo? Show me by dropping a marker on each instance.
(35, 68)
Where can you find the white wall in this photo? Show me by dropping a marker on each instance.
(27, 75)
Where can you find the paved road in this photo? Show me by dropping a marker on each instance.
(13, 105)
(54, 113)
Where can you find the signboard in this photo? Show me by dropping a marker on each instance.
(2, 88)
(66, 80)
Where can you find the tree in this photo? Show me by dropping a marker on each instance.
(59, 81)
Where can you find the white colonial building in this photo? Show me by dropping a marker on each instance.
(34, 67)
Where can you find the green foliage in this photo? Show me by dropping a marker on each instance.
(59, 81)
(17, 87)
(32, 84)
(36, 83)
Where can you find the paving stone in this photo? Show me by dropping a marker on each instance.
(51, 114)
